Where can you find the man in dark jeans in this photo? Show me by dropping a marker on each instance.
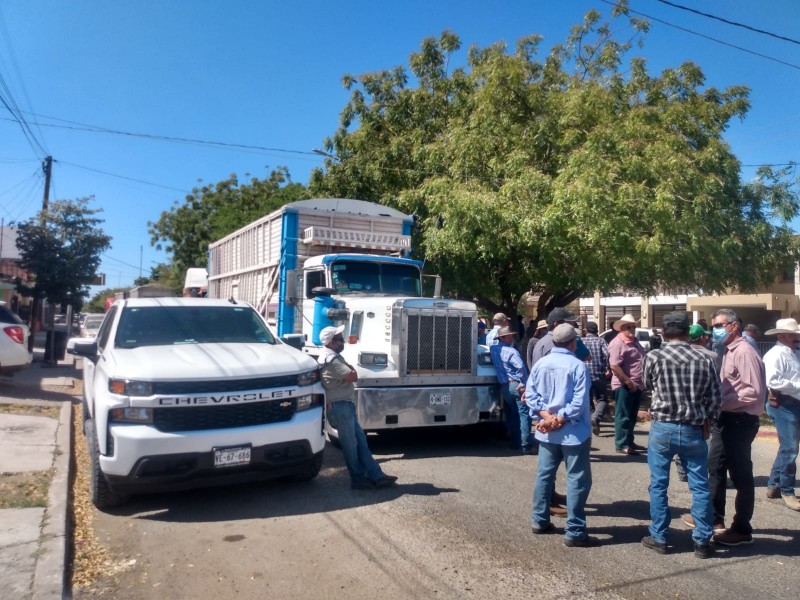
(743, 400)
(598, 367)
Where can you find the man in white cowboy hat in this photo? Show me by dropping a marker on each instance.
(783, 381)
(512, 375)
(498, 320)
(338, 379)
(625, 358)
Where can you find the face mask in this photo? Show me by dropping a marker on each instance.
(719, 335)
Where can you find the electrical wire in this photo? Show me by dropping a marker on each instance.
(734, 23)
(166, 187)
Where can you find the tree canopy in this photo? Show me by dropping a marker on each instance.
(563, 175)
(213, 211)
(61, 247)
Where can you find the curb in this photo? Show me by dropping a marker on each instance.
(49, 580)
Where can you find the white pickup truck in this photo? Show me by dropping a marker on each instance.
(184, 392)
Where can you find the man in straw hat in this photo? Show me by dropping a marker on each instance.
(558, 394)
(512, 375)
(732, 435)
(625, 357)
(782, 368)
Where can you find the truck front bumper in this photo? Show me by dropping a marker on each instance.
(399, 407)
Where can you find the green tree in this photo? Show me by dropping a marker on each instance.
(61, 249)
(563, 175)
(97, 304)
(213, 211)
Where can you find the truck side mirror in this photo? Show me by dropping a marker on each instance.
(322, 291)
(295, 340)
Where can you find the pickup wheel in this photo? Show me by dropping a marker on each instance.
(102, 496)
(308, 472)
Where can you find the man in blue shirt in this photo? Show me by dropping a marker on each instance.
(558, 395)
(512, 375)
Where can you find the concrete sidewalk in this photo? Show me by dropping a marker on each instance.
(33, 541)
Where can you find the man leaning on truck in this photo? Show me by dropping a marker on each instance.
(338, 379)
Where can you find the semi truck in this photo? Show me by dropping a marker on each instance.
(332, 261)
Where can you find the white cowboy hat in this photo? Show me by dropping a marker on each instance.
(625, 320)
(784, 326)
(541, 325)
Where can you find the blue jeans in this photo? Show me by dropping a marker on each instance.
(626, 409)
(511, 413)
(526, 440)
(665, 441)
(357, 456)
(787, 423)
(579, 483)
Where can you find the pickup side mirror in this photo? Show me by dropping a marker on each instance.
(82, 347)
(295, 340)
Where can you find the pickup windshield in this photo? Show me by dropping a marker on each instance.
(170, 325)
(390, 279)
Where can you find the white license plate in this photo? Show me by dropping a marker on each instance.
(440, 399)
(231, 457)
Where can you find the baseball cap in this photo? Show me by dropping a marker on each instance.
(591, 326)
(327, 334)
(695, 331)
(564, 333)
(676, 322)
(559, 313)
(499, 318)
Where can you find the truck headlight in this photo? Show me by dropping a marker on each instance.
(131, 415)
(485, 359)
(373, 359)
(130, 388)
(308, 378)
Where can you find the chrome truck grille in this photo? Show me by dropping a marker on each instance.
(437, 342)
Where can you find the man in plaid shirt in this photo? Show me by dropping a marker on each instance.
(598, 367)
(686, 397)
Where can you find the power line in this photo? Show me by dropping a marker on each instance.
(734, 23)
(166, 187)
(702, 35)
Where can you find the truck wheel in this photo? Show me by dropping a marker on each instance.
(308, 472)
(101, 494)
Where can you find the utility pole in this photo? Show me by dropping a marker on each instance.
(47, 167)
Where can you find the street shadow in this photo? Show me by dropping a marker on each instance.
(427, 442)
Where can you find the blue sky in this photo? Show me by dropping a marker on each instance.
(268, 74)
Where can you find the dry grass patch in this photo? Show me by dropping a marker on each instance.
(25, 490)
(31, 410)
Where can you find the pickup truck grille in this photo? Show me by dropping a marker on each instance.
(175, 388)
(197, 418)
(439, 344)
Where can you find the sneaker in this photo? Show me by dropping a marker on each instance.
(792, 502)
(650, 542)
(718, 526)
(544, 529)
(596, 427)
(557, 498)
(773, 493)
(729, 537)
(584, 542)
(362, 483)
(703, 550)
(385, 481)
(558, 511)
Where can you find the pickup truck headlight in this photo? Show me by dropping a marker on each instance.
(485, 359)
(308, 378)
(309, 401)
(373, 359)
(130, 388)
(131, 415)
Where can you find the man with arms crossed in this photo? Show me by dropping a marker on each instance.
(732, 435)
(685, 399)
(558, 394)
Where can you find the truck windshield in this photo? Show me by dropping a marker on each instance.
(170, 325)
(390, 279)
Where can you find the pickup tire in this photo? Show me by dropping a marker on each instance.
(308, 472)
(101, 494)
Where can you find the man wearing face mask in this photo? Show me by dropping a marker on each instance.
(338, 379)
(783, 380)
(732, 435)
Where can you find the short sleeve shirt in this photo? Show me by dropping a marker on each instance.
(628, 355)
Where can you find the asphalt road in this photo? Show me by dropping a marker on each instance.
(457, 526)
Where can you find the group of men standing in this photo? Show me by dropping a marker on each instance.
(705, 407)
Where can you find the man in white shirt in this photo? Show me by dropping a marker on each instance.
(783, 380)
